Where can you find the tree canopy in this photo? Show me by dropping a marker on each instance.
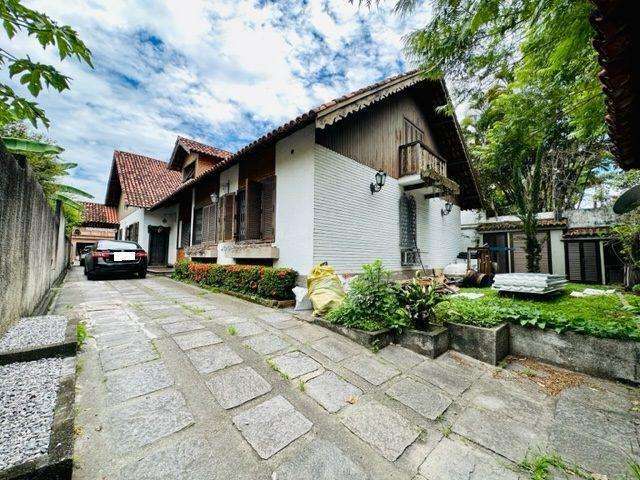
(16, 18)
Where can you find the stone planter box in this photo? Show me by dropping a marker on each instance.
(375, 339)
(487, 344)
(603, 357)
(432, 343)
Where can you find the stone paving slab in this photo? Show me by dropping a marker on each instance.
(247, 329)
(332, 392)
(372, 370)
(184, 326)
(335, 349)
(199, 338)
(452, 380)
(236, 386)
(401, 357)
(227, 319)
(266, 344)
(119, 338)
(307, 333)
(509, 437)
(295, 364)
(271, 426)
(322, 460)
(382, 428)
(126, 355)
(453, 460)
(140, 422)
(213, 358)
(137, 380)
(428, 401)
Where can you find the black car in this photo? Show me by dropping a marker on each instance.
(115, 256)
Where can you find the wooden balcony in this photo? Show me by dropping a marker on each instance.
(418, 159)
(415, 156)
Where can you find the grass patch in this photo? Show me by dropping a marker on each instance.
(302, 386)
(232, 330)
(275, 368)
(446, 430)
(81, 334)
(545, 466)
(601, 316)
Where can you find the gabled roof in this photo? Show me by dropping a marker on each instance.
(331, 112)
(141, 181)
(98, 215)
(189, 146)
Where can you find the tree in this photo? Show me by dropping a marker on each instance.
(49, 169)
(16, 17)
(528, 71)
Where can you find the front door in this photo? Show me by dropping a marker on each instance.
(158, 245)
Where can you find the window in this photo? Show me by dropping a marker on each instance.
(408, 243)
(197, 226)
(131, 232)
(189, 172)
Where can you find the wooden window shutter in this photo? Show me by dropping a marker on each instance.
(209, 223)
(253, 209)
(268, 226)
(229, 207)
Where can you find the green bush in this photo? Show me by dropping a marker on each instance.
(419, 301)
(372, 302)
(266, 282)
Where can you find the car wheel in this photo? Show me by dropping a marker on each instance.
(91, 276)
(142, 273)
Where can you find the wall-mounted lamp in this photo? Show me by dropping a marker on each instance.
(447, 209)
(214, 198)
(381, 177)
(164, 220)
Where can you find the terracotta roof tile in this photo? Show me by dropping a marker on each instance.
(586, 232)
(517, 225)
(144, 180)
(194, 146)
(96, 214)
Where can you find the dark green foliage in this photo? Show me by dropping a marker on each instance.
(265, 282)
(15, 18)
(372, 302)
(419, 301)
(602, 316)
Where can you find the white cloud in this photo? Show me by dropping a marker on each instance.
(223, 72)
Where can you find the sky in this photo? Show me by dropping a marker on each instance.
(223, 72)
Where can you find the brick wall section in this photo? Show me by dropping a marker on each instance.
(34, 251)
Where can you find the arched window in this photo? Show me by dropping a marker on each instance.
(408, 243)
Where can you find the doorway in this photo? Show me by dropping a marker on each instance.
(158, 245)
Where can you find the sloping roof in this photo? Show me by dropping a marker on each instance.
(185, 146)
(98, 215)
(337, 109)
(613, 22)
(142, 181)
(586, 232)
(515, 225)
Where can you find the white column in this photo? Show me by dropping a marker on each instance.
(193, 206)
(602, 273)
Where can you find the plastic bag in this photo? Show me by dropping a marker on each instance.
(325, 289)
(302, 299)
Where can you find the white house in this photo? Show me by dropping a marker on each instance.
(306, 192)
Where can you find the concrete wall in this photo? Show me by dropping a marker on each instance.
(294, 200)
(34, 251)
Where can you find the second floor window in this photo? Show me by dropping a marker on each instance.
(189, 172)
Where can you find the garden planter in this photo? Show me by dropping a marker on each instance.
(375, 339)
(603, 357)
(432, 343)
(487, 344)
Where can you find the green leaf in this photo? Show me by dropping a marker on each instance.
(21, 145)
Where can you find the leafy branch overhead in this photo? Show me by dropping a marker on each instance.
(34, 75)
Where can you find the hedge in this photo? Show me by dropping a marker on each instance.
(266, 282)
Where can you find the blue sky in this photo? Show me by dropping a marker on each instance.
(220, 71)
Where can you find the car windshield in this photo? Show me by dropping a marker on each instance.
(116, 245)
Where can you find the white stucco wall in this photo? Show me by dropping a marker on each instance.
(439, 236)
(352, 226)
(230, 175)
(294, 200)
(557, 252)
(146, 219)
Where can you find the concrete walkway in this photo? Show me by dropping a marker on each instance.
(180, 383)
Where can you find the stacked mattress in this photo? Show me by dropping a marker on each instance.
(539, 283)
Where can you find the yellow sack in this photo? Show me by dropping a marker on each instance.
(325, 289)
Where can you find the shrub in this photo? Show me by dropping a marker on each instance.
(372, 302)
(419, 301)
(266, 282)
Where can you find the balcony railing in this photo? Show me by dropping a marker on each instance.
(416, 156)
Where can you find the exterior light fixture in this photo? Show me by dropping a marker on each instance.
(214, 198)
(447, 209)
(381, 177)
(164, 220)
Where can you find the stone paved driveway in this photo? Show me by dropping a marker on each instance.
(179, 383)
